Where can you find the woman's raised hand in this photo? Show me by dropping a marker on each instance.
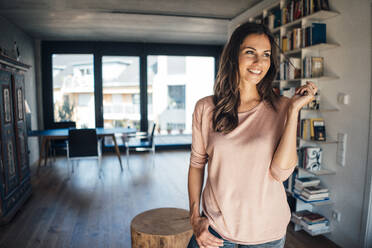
(304, 95)
(203, 237)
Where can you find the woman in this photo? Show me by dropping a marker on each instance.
(247, 134)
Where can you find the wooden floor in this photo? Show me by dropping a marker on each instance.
(93, 209)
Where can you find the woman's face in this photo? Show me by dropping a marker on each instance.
(254, 58)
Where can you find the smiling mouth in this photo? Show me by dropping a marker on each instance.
(256, 72)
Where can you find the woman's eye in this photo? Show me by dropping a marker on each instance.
(267, 55)
(249, 52)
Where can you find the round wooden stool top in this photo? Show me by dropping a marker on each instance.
(161, 226)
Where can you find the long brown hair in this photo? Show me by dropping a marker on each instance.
(226, 88)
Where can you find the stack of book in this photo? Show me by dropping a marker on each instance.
(309, 190)
(313, 222)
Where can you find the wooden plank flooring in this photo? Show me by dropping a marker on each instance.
(93, 209)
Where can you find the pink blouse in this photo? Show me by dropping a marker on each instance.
(244, 197)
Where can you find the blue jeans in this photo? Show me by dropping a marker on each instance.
(227, 244)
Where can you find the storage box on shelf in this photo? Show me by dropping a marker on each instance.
(286, 20)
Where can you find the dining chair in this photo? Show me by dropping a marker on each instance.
(140, 141)
(83, 143)
(60, 144)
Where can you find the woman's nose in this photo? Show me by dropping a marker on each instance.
(257, 59)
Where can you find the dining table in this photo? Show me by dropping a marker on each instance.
(48, 135)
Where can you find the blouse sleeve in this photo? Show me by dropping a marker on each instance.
(198, 157)
(278, 173)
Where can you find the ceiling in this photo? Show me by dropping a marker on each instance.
(173, 21)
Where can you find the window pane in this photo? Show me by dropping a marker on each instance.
(175, 83)
(73, 89)
(121, 104)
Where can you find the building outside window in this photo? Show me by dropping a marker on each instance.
(175, 83)
(73, 89)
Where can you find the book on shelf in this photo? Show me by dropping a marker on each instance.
(317, 196)
(313, 129)
(315, 103)
(284, 43)
(317, 66)
(301, 214)
(277, 17)
(313, 66)
(312, 34)
(305, 129)
(304, 199)
(296, 190)
(309, 196)
(312, 218)
(271, 21)
(318, 131)
(316, 189)
(284, 15)
(277, 42)
(307, 181)
(294, 68)
(294, 10)
(288, 91)
(310, 158)
(289, 183)
(316, 226)
(290, 69)
(317, 34)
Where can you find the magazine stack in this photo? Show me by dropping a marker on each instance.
(309, 190)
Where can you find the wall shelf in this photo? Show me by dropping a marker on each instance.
(316, 203)
(319, 172)
(325, 78)
(301, 53)
(320, 110)
(329, 141)
(320, 46)
(317, 16)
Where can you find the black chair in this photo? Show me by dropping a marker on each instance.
(83, 143)
(140, 141)
(61, 144)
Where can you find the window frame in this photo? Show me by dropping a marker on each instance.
(99, 49)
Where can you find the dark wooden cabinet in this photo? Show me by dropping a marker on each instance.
(15, 186)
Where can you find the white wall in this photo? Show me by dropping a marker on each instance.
(352, 63)
(9, 34)
(366, 228)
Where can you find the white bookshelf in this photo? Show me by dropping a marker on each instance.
(301, 53)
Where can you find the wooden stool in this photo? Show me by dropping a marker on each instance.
(161, 227)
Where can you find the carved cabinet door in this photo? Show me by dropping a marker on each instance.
(9, 171)
(20, 126)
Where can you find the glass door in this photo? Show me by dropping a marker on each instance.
(121, 92)
(73, 89)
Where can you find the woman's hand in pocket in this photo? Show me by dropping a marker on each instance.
(203, 237)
